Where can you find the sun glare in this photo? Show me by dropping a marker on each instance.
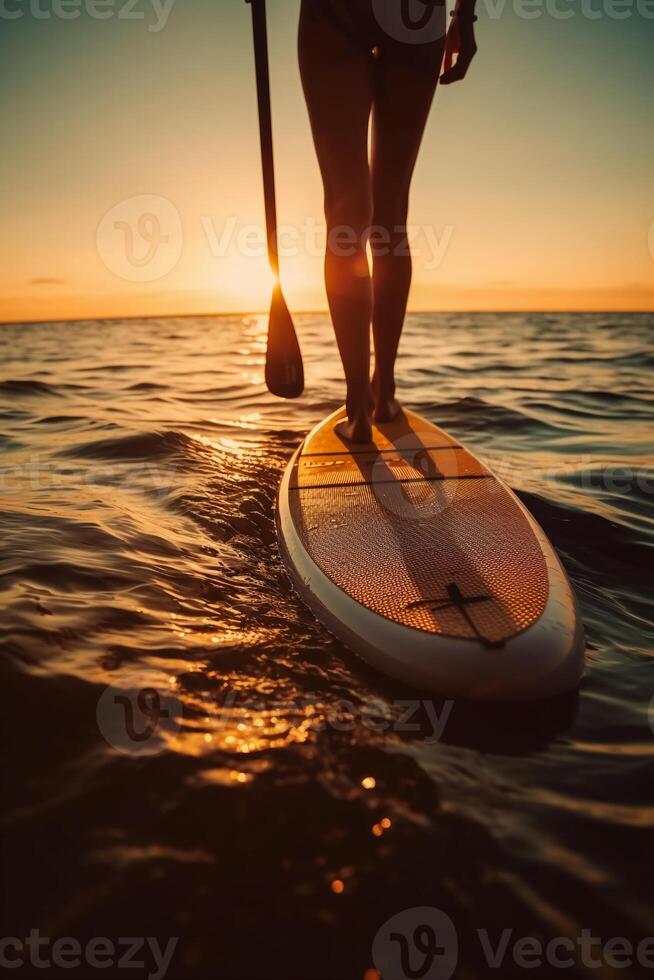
(248, 280)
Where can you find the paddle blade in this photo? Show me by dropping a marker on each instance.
(284, 370)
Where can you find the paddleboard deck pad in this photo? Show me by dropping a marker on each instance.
(415, 555)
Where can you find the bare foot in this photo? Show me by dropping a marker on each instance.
(356, 430)
(386, 408)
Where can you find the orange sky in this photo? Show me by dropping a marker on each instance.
(132, 178)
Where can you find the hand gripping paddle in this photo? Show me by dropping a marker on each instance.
(284, 370)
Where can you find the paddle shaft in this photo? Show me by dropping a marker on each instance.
(284, 370)
(265, 127)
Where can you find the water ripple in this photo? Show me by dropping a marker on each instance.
(139, 550)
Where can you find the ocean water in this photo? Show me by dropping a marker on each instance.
(187, 753)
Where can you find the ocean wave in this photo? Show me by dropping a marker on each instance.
(139, 551)
(131, 446)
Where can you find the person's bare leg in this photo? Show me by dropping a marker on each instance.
(337, 83)
(402, 99)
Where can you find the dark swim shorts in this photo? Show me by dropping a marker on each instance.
(399, 29)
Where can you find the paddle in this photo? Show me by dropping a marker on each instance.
(284, 371)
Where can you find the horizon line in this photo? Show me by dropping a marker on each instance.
(314, 312)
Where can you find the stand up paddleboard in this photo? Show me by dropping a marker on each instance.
(425, 564)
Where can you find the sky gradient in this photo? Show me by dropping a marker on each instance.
(534, 188)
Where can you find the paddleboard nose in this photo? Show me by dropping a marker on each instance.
(435, 574)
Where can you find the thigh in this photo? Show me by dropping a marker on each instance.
(404, 89)
(337, 78)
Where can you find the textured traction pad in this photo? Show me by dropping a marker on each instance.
(387, 467)
(407, 432)
(425, 537)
